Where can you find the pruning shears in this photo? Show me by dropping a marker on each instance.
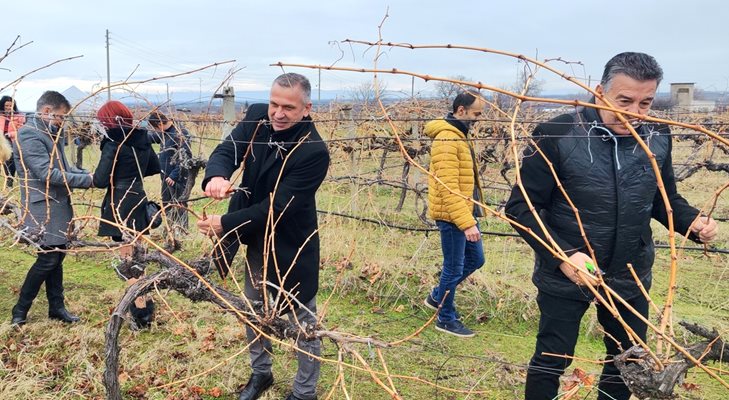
(591, 267)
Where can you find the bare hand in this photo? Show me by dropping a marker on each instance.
(218, 188)
(169, 181)
(472, 234)
(705, 228)
(210, 226)
(577, 276)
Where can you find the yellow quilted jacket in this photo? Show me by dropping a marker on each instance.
(451, 162)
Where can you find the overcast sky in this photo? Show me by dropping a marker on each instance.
(156, 38)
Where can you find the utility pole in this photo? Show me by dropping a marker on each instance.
(318, 101)
(228, 97)
(412, 89)
(108, 68)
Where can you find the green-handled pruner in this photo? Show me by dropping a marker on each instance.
(591, 267)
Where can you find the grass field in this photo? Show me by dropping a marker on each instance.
(373, 281)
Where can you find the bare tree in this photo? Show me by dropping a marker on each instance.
(447, 91)
(366, 93)
(526, 77)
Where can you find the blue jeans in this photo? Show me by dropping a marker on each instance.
(460, 259)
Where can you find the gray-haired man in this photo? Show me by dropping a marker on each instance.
(285, 162)
(613, 185)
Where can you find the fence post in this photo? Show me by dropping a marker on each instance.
(347, 114)
(228, 97)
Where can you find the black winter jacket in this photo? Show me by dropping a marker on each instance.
(172, 142)
(612, 184)
(124, 153)
(293, 174)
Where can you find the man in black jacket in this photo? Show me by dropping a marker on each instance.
(273, 212)
(612, 183)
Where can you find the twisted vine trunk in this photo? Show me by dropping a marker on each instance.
(180, 279)
(646, 381)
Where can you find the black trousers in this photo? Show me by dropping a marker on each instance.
(48, 269)
(559, 326)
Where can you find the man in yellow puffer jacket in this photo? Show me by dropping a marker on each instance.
(453, 163)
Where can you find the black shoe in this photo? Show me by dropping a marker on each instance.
(292, 396)
(143, 317)
(430, 302)
(257, 384)
(61, 314)
(20, 317)
(455, 327)
(433, 305)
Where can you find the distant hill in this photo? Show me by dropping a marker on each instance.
(79, 98)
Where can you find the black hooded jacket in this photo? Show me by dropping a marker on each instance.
(610, 180)
(126, 158)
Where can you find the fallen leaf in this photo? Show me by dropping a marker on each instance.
(571, 384)
(371, 272)
(138, 392)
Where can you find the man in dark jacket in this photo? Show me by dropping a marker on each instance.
(273, 212)
(612, 183)
(46, 179)
(174, 148)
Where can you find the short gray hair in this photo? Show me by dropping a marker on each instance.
(639, 66)
(292, 79)
(53, 99)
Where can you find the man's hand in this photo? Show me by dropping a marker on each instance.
(170, 182)
(576, 276)
(218, 188)
(472, 234)
(210, 226)
(705, 228)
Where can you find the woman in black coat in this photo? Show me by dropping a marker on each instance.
(126, 158)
